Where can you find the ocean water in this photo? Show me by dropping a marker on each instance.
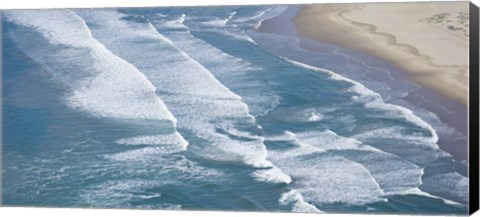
(194, 109)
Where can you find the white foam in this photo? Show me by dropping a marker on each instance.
(393, 132)
(161, 15)
(176, 63)
(215, 60)
(393, 176)
(372, 99)
(113, 87)
(417, 191)
(121, 194)
(144, 154)
(301, 147)
(329, 140)
(173, 206)
(217, 25)
(261, 15)
(199, 101)
(395, 110)
(168, 139)
(116, 193)
(320, 141)
(229, 69)
(254, 17)
(58, 26)
(176, 23)
(217, 22)
(315, 116)
(231, 130)
(273, 175)
(295, 199)
(316, 175)
(206, 53)
(451, 186)
(318, 178)
(265, 15)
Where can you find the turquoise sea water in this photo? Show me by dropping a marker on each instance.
(192, 108)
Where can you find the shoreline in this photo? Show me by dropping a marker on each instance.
(451, 112)
(349, 26)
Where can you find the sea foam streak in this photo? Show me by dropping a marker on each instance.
(426, 141)
(143, 154)
(451, 186)
(235, 73)
(165, 144)
(167, 139)
(374, 100)
(229, 25)
(101, 83)
(110, 87)
(423, 151)
(394, 175)
(316, 173)
(295, 199)
(200, 102)
(358, 186)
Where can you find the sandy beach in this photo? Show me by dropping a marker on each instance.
(429, 40)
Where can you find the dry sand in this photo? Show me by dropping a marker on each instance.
(427, 39)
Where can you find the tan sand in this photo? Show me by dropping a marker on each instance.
(427, 39)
